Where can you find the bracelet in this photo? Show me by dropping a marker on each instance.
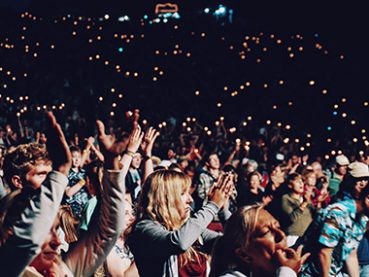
(130, 153)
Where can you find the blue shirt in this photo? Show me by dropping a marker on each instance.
(338, 227)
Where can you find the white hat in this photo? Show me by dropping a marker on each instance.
(358, 170)
(342, 160)
(165, 163)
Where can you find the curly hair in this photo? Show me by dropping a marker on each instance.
(20, 160)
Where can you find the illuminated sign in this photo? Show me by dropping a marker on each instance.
(166, 8)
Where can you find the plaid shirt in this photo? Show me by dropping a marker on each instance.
(206, 181)
(337, 227)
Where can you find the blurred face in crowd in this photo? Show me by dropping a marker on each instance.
(254, 184)
(49, 250)
(317, 168)
(136, 161)
(129, 214)
(310, 181)
(360, 184)
(277, 175)
(37, 175)
(214, 162)
(76, 159)
(297, 185)
(295, 159)
(342, 169)
(250, 167)
(186, 200)
(171, 154)
(266, 239)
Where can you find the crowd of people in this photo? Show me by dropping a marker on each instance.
(117, 205)
(233, 164)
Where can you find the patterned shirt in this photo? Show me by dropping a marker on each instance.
(78, 200)
(206, 181)
(337, 227)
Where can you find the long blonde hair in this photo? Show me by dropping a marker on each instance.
(237, 237)
(160, 199)
(68, 223)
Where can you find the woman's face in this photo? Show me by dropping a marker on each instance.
(49, 250)
(311, 180)
(129, 215)
(185, 209)
(76, 159)
(360, 184)
(266, 240)
(254, 183)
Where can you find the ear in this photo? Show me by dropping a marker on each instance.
(17, 181)
(240, 253)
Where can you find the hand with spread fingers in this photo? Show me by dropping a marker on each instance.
(220, 192)
(110, 147)
(57, 146)
(148, 142)
(135, 139)
(291, 258)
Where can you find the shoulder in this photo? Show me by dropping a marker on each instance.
(286, 196)
(340, 208)
(287, 199)
(232, 273)
(147, 225)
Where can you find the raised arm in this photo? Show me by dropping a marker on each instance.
(92, 250)
(147, 146)
(158, 241)
(31, 230)
(86, 152)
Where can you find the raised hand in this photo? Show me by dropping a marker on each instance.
(110, 148)
(149, 141)
(135, 139)
(220, 192)
(291, 258)
(90, 141)
(57, 146)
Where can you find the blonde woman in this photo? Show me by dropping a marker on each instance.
(254, 245)
(164, 235)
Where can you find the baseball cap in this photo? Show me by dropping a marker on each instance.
(342, 160)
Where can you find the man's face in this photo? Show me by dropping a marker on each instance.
(342, 169)
(295, 159)
(136, 161)
(214, 162)
(37, 175)
(317, 167)
(171, 154)
(49, 250)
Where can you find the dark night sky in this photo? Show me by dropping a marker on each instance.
(345, 26)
